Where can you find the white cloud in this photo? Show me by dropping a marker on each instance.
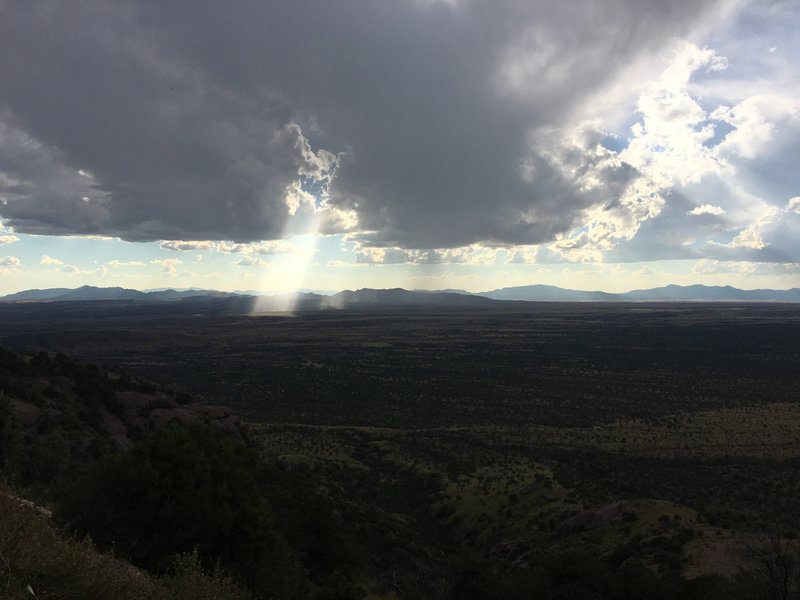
(9, 261)
(101, 271)
(101, 238)
(468, 255)
(49, 260)
(669, 143)
(748, 238)
(380, 256)
(706, 209)
(631, 185)
(264, 248)
(707, 266)
(754, 120)
(696, 140)
(794, 205)
(297, 198)
(8, 239)
(190, 245)
(645, 271)
(118, 264)
(169, 266)
(572, 254)
(9, 265)
(251, 261)
(268, 247)
(522, 254)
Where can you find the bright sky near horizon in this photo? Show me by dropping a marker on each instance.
(331, 144)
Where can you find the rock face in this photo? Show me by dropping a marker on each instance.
(82, 405)
(141, 414)
(136, 415)
(159, 409)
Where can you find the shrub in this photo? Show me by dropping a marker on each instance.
(188, 488)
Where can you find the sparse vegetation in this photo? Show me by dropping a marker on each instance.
(556, 453)
(33, 553)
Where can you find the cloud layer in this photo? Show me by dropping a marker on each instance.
(427, 131)
(433, 124)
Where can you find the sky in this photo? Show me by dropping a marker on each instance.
(425, 144)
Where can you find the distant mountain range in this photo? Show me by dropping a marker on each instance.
(669, 293)
(400, 297)
(89, 292)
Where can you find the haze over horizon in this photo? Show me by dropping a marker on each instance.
(423, 144)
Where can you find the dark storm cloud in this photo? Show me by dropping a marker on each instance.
(190, 120)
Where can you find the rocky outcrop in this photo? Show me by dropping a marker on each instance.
(134, 415)
(140, 414)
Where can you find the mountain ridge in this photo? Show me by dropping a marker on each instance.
(90, 292)
(366, 297)
(668, 293)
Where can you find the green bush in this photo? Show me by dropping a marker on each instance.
(188, 488)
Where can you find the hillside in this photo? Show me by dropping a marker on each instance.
(41, 561)
(152, 476)
(62, 415)
(59, 419)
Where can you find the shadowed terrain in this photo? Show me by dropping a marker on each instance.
(462, 443)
